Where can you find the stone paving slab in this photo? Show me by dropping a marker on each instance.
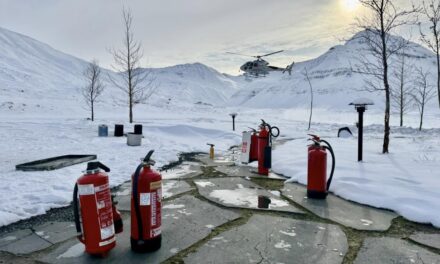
(185, 170)
(218, 161)
(22, 242)
(431, 240)
(170, 188)
(393, 250)
(55, 232)
(240, 193)
(246, 171)
(269, 239)
(341, 211)
(186, 220)
(14, 236)
(8, 258)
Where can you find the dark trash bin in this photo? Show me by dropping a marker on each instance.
(138, 129)
(119, 130)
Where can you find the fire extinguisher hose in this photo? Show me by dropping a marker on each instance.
(137, 208)
(76, 212)
(330, 149)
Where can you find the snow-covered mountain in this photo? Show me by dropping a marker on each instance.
(333, 81)
(35, 77)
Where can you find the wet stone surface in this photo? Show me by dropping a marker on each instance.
(269, 239)
(341, 211)
(22, 242)
(387, 250)
(245, 171)
(185, 221)
(240, 193)
(218, 161)
(430, 240)
(185, 170)
(170, 188)
(55, 232)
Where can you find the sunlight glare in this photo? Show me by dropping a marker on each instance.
(350, 5)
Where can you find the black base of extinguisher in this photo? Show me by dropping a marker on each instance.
(145, 246)
(119, 226)
(316, 194)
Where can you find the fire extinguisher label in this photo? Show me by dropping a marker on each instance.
(155, 185)
(104, 207)
(244, 147)
(86, 189)
(144, 199)
(105, 243)
(155, 232)
(107, 232)
(153, 209)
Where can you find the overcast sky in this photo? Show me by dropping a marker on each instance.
(183, 31)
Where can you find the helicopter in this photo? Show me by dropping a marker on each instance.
(260, 67)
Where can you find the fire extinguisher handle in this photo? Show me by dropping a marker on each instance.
(102, 166)
(314, 137)
(148, 156)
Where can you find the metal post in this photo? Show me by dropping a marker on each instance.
(233, 115)
(361, 111)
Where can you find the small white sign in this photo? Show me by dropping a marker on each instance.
(246, 147)
(144, 199)
(86, 189)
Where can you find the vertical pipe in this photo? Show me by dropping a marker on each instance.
(361, 132)
(233, 123)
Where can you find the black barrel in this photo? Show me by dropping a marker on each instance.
(119, 130)
(138, 129)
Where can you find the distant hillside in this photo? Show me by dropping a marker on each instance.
(36, 78)
(333, 81)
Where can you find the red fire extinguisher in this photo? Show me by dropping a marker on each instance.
(267, 132)
(146, 207)
(92, 195)
(317, 183)
(253, 153)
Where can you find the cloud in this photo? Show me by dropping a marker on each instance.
(181, 31)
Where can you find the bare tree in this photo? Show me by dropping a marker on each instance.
(423, 92)
(137, 83)
(94, 87)
(401, 94)
(306, 74)
(384, 18)
(431, 11)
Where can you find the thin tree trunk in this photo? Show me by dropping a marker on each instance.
(386, 138)
(421, 118)
(438, 74)
(401, 104)
(93, 113)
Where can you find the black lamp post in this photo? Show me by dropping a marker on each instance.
(361, 105)
(233, 120)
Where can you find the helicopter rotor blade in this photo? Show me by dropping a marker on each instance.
(240, 54)
(265, 55)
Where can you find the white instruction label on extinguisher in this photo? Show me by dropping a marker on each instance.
(144, 199)
(86, 189)
(153, 209)
(105, 213)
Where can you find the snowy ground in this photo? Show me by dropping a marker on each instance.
(405, 181)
